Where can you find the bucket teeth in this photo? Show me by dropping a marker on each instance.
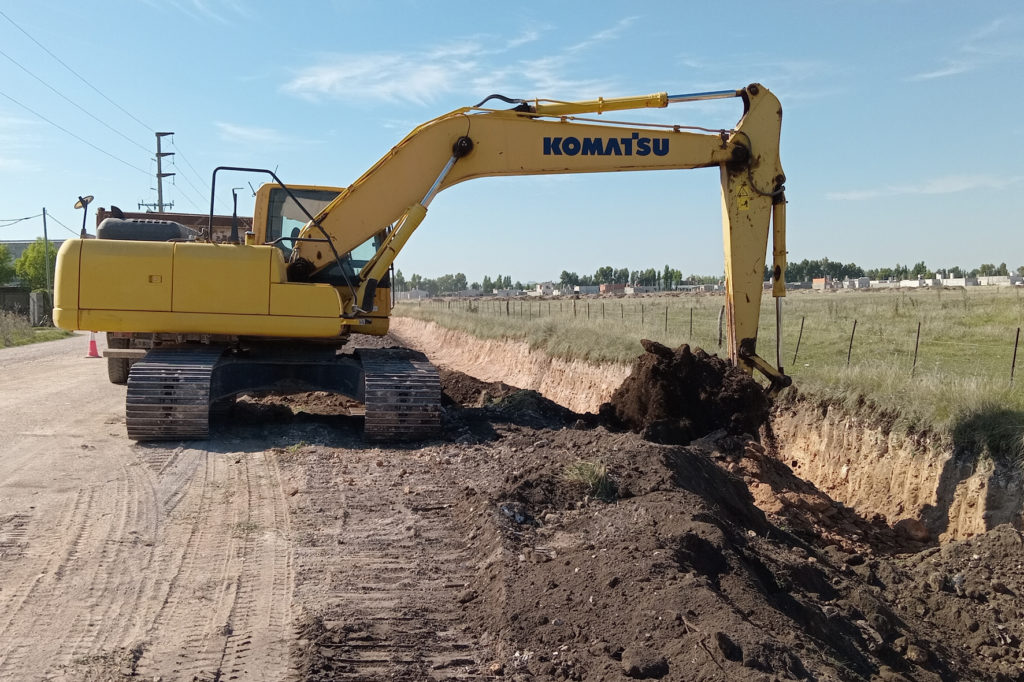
(169, 394)
(403, 395)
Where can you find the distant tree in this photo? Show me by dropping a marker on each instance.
(488, 285)
(987, 270)
(446, 284)
(399, 281)
(31, 266)
(605, 275)
(568, 279)
(1020, 270)
(919, 270)
(1002, 270)
(416, 281)
(519, 285)
(6, 265)
(621, 276)
(475, 286)
(506, 282)
(459, 282)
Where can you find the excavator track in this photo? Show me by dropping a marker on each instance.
(169, 394)
(402, 395)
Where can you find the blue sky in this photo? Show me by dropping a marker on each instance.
(901, 135)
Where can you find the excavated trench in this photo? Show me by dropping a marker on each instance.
(920, 485)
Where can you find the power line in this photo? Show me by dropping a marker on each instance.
(50, 216)
(15, 221)
(198, 176)
(185, 159)
(73, 103)
(80, 139)
(81, 78)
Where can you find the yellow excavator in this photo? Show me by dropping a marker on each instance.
(204, 321)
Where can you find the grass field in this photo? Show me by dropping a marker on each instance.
(962, 373)
(16, 331)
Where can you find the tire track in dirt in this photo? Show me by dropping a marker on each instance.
(383, 566)
(226, 611)
(24, 582)
(110, 549)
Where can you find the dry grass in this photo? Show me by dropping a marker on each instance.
(592, 478)
(16, 331)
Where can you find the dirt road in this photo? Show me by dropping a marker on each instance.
(120, 560)
(117, 558)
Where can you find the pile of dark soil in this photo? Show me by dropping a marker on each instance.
(675, 396)
(682, 577)
(461, 389)
(472, 407)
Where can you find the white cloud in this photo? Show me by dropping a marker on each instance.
(233, 132)
(203, 10)
(416, 78)
(468, 65)
(996, 42)
(948, 184)
(603, 36)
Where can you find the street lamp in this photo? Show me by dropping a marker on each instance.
(83, 203)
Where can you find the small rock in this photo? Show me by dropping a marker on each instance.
(916, 654)
(730, 649)
(912, 529)
(1000, 586)
(643, 665)
(467, 596)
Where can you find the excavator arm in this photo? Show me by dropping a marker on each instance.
(327, 289)
(555, 137)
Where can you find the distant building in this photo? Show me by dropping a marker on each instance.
(821, 283)
(612, 288)
(543, 289)
(584, 289)
(994, 281)
(412, 295)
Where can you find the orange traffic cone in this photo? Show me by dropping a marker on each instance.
(93, 353)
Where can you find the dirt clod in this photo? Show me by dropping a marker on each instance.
(676, 396)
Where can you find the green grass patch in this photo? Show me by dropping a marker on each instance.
(16, 331)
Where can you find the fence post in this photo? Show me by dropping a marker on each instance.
(849, 352)
(602, 310)
(641, 315)
(588, 310)
(574, 307)
(917, 343)
(666, 318)
(721, 314)
(1014, 363)
(622, 311)
(798, 338)
(691, 322)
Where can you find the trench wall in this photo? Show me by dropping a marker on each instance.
(853, 459)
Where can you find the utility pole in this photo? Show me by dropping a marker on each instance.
(160, 175)
(46, 257)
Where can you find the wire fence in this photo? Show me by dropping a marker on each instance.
(944, 342)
